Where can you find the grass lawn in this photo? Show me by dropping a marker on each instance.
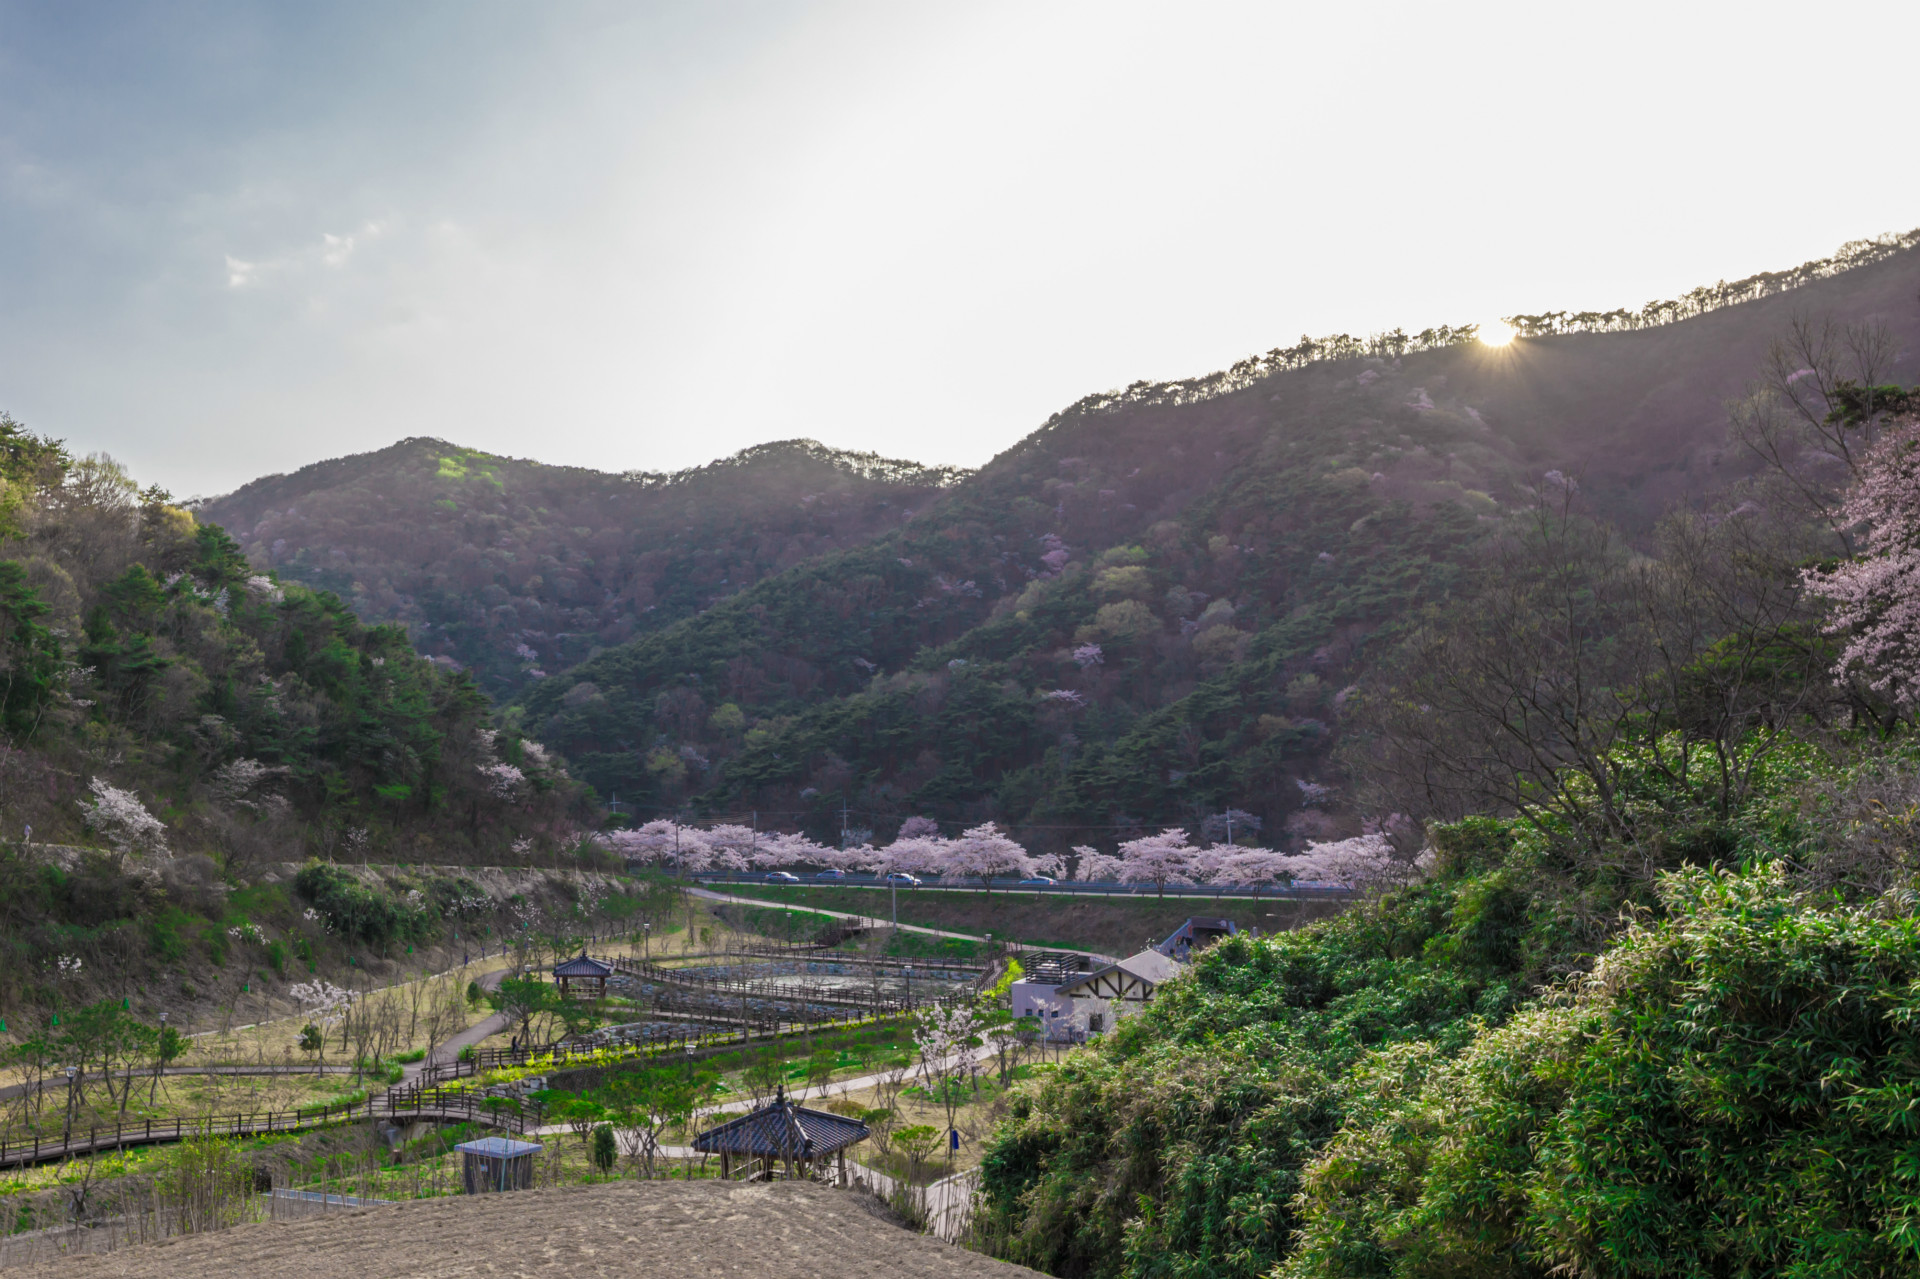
(1116, 925)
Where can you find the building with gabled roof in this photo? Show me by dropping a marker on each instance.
(582, 968)
(782, 1133)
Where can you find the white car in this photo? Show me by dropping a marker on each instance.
(782, 877)
(901, 877)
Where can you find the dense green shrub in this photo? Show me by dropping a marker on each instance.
(1732, 1091)
(356, 911)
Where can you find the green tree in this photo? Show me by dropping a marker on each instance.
(605, 1149)
(527, 1002)
(29, 654)
(644, 1103)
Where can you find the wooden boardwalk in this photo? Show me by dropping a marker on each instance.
(397, 1105)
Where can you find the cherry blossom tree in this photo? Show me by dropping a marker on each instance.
(916, 855)
(1166, 858)
(124, 822)
(502, 781)
(1091, 865)
(663, 843)
(986, 851)
(1252, 867)
(1349, 863)
(1876, 596)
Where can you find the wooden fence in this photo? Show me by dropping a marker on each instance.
(563, 1056)
(396, 1104)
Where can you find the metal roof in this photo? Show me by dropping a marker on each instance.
(781, 1129)
(498, 1147)
(1150, 966)
(583, 965)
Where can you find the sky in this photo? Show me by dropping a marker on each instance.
(237, 238)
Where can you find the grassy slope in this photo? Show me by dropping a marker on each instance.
(1109, 925)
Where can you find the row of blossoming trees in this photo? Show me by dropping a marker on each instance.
(985, 853)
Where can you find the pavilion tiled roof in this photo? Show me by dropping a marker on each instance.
(782, 1130)
(583, 965)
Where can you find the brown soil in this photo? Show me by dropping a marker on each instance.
(1116, 925)
(641, 1229)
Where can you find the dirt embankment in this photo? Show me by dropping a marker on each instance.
(628, 1229)
(1116, 925)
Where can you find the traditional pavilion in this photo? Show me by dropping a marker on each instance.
(782, 1134)
(582, 968)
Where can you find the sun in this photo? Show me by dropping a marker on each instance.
(1497, 333)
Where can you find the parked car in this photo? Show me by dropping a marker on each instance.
(782, 877)
(830, 874)
(1038, 881)
(901, 877)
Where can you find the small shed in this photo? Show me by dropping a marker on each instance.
(582, 968)
(782, 1133)
(494, 1164)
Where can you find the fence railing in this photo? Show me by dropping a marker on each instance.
(874, 999)
(704, 1041)
(435, 1103)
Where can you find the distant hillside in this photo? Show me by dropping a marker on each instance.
(1148, 610)
(512, 568)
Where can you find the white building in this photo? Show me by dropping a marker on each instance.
(1073, 996)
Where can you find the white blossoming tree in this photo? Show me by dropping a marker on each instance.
(123, 821)
(1876, 595)
(1166, 858)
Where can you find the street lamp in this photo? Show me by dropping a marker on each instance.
(908, 970)
(646, 940)
(66, 1134)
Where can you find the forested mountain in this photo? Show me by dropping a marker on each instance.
(163, 701)
(512, 569)
(1154, 607)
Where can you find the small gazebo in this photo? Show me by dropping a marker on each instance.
(582, 968)
(494, 1164)
(782, 1133)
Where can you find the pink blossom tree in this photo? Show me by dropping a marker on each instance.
(912, 855)
(1349, 863)
(1252, 868)
(1876, 595)
(986, 851)
(1092, 866)
(1166, 858)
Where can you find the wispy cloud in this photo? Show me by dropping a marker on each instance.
(332, 251)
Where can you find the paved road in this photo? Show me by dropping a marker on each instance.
(712, 896)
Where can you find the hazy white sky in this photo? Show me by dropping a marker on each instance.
(236, 238)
